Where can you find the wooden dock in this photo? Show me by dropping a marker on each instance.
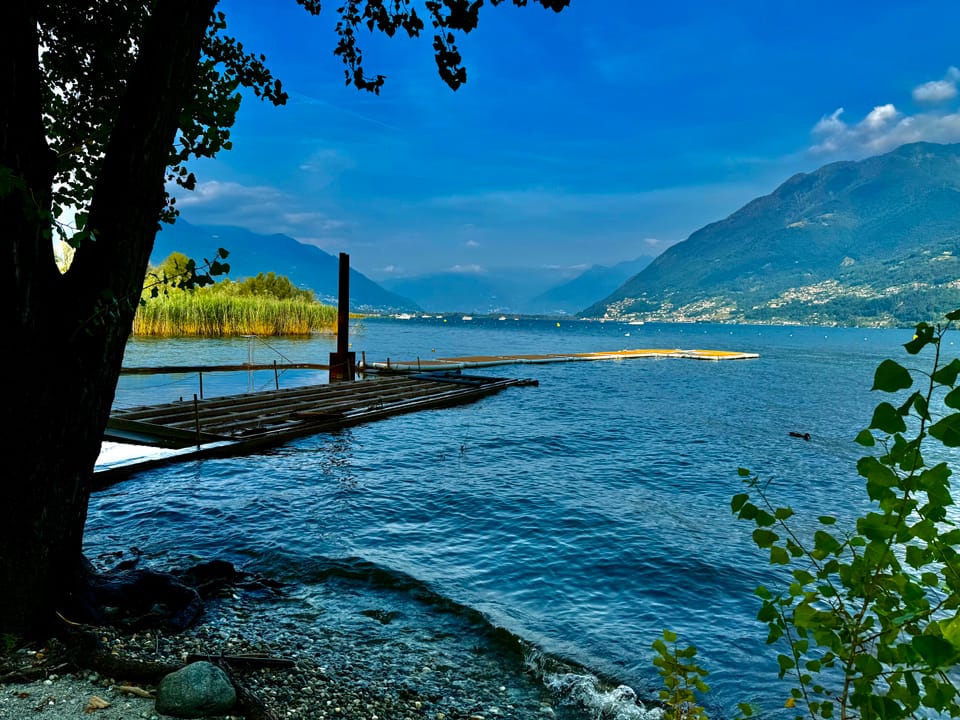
(141, 437)
(239, 424)
(481, 361)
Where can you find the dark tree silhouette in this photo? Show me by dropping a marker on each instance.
(101, 104)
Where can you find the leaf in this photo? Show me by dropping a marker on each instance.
(96, 703)
(783, 513)
(891, 376)
(737, 502)
(935, 651)
(950, 629)
(779, 556)
(887, 419)
(952, 399)
(947, 375)
(923, 337)
(874, 526)
(825, 542)
(764, 538)
(947, 430)
(865, 438)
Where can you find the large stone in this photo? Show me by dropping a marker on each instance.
(198, 690)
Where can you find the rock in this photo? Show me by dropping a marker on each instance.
(198, 690)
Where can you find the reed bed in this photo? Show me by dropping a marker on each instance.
(202, 314)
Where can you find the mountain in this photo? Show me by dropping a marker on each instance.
(869, 242)
(307, 266)
(530, 291)
(496, 290)
(597, 281)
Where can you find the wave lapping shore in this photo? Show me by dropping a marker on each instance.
(334, 675)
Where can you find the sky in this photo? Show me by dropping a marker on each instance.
(606, 132)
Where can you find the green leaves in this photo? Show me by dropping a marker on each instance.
(947, 430)
(870, 600)
(887, 418)
(682, 678)
(891, 377)
(935, 651)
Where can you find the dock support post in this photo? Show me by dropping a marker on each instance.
(276, 376)
(201, 384)
(196, 419)
(342, 362)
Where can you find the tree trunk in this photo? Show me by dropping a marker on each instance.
(66, 333)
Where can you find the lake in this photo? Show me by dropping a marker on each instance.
(555, 530)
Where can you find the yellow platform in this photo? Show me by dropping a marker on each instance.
(476, 361)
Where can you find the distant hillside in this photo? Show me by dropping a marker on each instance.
(598, 281)
(869, 242)
(498, 290)
(529, 291)
(307, 266)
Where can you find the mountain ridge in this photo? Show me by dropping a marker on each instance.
(305, 265)
(854, 242)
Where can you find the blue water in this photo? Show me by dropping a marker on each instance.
(583, 516)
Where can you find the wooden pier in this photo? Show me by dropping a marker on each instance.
(141, 437)
(481, 361)
(239, 424)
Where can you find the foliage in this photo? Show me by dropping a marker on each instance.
(682, 678)
(268, 284)
(87, 58)
(870, 620)
(212, 314)
(179, 272)
(104, 104)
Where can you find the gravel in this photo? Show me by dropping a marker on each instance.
(334, 676)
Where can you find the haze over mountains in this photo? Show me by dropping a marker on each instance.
(869, 242)
(515, 290)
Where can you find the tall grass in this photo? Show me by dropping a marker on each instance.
(204, 314)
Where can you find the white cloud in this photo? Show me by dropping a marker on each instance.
(472, 244)
(885, 127)
(259, 208)
(937, 91)
(881, 116)
(214, 192)
(326, 165)
(467, 269)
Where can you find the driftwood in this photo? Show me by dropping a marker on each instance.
(131, 598)
(248, 702)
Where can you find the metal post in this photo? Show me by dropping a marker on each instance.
(196, 418)
(276, 376)
(342, 361)
(201, 384)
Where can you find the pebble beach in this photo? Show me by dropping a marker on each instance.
(331, 677)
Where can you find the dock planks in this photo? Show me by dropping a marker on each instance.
(239, 424)
(479, 361)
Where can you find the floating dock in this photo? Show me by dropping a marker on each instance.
(141, 437)
(138, 438)
(481, 361)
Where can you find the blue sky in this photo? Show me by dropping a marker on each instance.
(611, 130)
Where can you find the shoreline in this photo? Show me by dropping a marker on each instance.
(334, 675)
